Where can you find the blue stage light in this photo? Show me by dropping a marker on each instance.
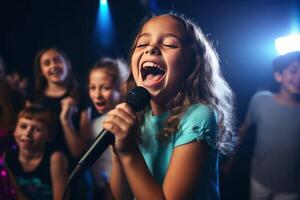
(103, 2)
(104, 30)
(288, 43)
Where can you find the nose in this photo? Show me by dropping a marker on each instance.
(29, 131)
(152, 50)
(99, 93)
(53, 63)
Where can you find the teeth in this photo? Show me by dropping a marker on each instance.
(55, 71)
(151, 64)
(100, 103)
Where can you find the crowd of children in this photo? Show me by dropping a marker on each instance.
(170, 149)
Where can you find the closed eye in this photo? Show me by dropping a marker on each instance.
(141, 45)
(170, 45)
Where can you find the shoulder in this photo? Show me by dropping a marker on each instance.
(58, 165)
(198, 123)
(199, 113)
(262, 95)
(58, 158)
(260, 99)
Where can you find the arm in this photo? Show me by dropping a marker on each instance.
(121, 121)
(76, 141)
(144, 185)
(59, 174)
(119, 184)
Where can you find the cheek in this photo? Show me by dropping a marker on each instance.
(43, 71)
(16, 135)
(135, 73)
(108, 95)
(92, 94)
(135, 67)
(40, 138)
(135, 76)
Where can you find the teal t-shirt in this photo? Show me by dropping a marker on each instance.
(198, 123)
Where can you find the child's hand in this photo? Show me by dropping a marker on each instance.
(68, 108)
(122, 122)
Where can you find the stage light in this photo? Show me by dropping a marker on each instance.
(104, 30)
(103, 2)
(288, 43)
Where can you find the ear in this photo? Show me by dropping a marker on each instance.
(278, 77)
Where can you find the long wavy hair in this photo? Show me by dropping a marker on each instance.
(40, 80)
(204, 84)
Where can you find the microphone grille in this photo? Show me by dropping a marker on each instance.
(138, 98)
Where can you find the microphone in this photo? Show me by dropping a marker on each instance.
(137, 98)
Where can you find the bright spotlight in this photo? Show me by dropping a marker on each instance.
(104, 30)
(103, 2)
(287, 44)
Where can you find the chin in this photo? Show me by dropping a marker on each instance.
(101, 111)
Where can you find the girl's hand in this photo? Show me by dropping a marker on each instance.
(122, 122)
(68, 108)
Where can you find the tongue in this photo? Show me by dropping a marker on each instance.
(153, 78)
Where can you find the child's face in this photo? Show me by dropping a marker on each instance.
(102, 90)
(53, 67)
(30, 134)
(160, 58)
(290, 78)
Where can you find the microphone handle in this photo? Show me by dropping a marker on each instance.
(106, 138)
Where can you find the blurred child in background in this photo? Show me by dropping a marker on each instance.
(104, 83)
(275, 117)
(38, 174)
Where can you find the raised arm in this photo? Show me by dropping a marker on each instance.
(77, 140)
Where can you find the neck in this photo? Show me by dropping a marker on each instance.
(158, 108)
(288, 99)
(29, 155)
(55, 90)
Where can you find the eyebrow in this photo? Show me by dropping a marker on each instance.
(164, 35)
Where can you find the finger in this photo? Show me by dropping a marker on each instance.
(126, 107)
(127, 117)
(114, 128)
(124, 123)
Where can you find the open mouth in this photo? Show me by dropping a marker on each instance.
(55, 71)
(26, 142)
(152, 72)
(103, 103)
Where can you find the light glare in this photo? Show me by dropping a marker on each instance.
(103, 2)
(288, 44)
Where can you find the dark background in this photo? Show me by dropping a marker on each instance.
(243, 33)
